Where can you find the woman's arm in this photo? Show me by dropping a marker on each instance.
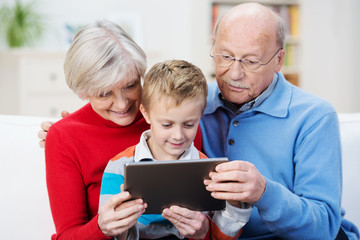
(67, 193)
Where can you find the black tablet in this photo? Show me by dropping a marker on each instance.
(162, 184)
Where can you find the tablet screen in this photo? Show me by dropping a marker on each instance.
(162, 184)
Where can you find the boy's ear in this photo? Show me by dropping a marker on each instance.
(145, 114)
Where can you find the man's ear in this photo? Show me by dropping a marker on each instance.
(145, 114)
(280, 60)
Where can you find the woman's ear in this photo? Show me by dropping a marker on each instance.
(145, 114)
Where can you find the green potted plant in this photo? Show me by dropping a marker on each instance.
(21, 24)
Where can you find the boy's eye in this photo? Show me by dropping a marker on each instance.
(166, 125)
(189, 125)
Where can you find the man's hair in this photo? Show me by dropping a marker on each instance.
(101, 55)
(176, 81)
(281, 30)
(282, 27)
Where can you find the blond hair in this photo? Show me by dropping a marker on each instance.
(101, 55)
(175, 80)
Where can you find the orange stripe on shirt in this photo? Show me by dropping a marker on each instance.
(129, 152)
(216, 233)
(202, 155)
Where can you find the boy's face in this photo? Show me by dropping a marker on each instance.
(173, 129)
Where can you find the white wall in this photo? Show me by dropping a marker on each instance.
(165, 29)
(330, 37)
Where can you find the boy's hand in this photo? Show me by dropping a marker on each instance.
(191, 224)
(45, 128)
(118, 214)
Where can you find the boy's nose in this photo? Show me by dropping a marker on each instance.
(178, 133)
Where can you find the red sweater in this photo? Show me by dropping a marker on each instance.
(77, 150)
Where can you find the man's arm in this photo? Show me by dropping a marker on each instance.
(45, 128)
(312, 205)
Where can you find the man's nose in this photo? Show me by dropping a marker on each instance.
(236, 70)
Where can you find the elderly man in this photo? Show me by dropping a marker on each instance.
(285, 142)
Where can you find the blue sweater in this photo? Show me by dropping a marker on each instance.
(293, 139)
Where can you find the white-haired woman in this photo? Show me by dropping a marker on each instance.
(105, 66)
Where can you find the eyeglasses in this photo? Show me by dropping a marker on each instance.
(248, 64)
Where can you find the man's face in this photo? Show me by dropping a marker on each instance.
(240, 41)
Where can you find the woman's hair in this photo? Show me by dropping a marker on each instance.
(175, 81)
(101, 55)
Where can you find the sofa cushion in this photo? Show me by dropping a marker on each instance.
(25, 211)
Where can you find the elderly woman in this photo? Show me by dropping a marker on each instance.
(105, 66)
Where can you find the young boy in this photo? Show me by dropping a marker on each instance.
(173, 101)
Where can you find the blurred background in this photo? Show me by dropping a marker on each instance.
(322, 51)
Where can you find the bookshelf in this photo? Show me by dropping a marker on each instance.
(288, 10)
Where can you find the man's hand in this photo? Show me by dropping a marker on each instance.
(236, 181)
(45, 128)
(191, 224)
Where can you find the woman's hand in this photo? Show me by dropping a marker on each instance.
(118, 214)
(45, 128)
(191, 224)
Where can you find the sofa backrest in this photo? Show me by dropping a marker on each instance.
(24, 208)
(350, 142)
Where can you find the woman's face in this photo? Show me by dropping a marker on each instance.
(120, 104)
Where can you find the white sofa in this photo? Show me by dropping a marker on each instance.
(24, 208)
